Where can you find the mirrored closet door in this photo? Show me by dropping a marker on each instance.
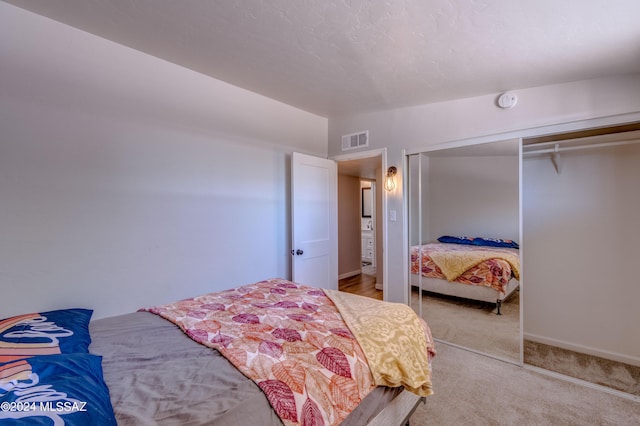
(471, 192)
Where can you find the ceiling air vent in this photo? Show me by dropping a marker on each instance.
(355, 140)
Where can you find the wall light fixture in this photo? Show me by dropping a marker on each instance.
(390, 179)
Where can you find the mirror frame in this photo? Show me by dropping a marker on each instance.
(367, 201)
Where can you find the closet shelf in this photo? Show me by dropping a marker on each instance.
(554, 148)
(557, 148)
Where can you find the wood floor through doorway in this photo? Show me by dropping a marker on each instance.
(362, 284)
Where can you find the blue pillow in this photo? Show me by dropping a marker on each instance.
(495, 242)
(456, 240)
(67, 388)
(45, 333)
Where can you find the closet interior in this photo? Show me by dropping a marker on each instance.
(581, 227)
(571, 201)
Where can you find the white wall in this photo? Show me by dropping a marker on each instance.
(581, 232)
(128, 181)
(567, 106)
(473, 196)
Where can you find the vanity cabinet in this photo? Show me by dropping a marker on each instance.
(367, 246)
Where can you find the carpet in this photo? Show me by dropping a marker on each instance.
(472, 389)
(473, 324)
(604, 372)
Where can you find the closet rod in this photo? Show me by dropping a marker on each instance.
(558, 148)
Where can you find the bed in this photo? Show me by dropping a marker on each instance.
(471, 271)
(154, 371)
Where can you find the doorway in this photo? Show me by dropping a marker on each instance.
(360, 228)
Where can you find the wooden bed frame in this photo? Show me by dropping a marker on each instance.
(399, 410)
(465, 291)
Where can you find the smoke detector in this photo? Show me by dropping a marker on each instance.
(507, 100)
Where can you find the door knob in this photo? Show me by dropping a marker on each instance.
(299, 252)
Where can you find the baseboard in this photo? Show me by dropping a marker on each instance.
(379, 286)
(349, 274)
(614, 356)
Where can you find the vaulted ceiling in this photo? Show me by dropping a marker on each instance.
(334, 57)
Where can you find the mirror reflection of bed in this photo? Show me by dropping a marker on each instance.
(468, 191)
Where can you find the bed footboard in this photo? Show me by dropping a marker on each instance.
(465, 291)
(399, 411)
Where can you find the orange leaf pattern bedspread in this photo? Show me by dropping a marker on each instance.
(288, 338)
(494, 267)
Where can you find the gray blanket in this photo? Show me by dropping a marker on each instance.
(158, 375)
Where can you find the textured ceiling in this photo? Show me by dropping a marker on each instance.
(334, 57)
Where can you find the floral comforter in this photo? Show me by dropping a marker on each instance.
(497, 267)
(292, 341)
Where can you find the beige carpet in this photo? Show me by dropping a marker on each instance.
(604, 372)
(472, 389)
(474, 324)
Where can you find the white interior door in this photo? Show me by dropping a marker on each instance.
(314, 221)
